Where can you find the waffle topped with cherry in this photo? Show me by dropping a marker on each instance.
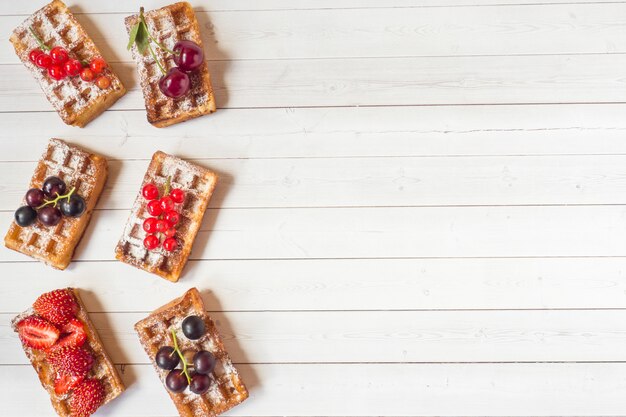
(189, 356)
(62, 345)
(70, 69)
(167, 47)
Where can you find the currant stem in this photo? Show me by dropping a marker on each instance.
(58, 197)
(168, 184)
(180, 355)
(42, 45)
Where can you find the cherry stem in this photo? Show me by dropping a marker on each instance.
(42, 45)
(58, 197)
(160, 45)
(180, 355)
(156, 59)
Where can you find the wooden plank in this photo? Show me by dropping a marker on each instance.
(383, 336)
(382, 233)
(339, 284)
(335, 132)
(214, 6)
(374, 390)
(400, 81)
(376, 32)
(350, 182)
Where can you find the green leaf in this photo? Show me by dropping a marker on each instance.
(142, 38)
(133, 36)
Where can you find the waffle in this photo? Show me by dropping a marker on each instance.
(169, 25)
(77, 101)
(227, 390)
(55, 245)
(102, 369)
(198, 184)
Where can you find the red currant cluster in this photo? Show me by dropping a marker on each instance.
(59, 64)
(164, 216)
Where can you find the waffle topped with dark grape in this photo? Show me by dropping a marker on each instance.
(188, 354)
(58, 205)
(166, 216)
(76, 80)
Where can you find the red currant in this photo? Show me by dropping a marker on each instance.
(154, 208)
(72, 67)
(167, 203)
(177, 195)
(162, 226)
(170, 244)
(97, 65)
(170, 232)
(87, 75)
(151, 242)
(43, 60)
(57, 72)
(150, 191)
(172, 217)
(34, 54)
(59, 55)
(103, 82)
(150, 225)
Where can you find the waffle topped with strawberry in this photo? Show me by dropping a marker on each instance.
(61, 343)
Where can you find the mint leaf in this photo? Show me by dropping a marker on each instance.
(142, 37)
(133, 36)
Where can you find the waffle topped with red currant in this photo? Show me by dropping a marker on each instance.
(188, 354)
(61, 343)
(166, 216)
(167, 47)
(58, 204)
(69, 68)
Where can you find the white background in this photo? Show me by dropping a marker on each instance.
(420, 211)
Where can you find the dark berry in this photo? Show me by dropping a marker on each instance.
(167, 358)
(200, 383)
(189, 56)
(193, 327)
(54, 186)
(175, 83)
(25, 216)
(203, 362)
(50, 216)
(35, 197)
(73, 206)
(176, 381)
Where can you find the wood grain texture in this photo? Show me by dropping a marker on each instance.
(421, 208)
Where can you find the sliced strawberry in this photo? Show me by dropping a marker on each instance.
(71, 361)
(72, 335)
(64, 383)
(86, 398)
(58, 306)
(37, 333)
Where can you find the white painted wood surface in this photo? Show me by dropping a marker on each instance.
(421, 208)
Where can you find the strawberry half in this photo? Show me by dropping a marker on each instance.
(72, 361)
(58, 306)
(64, 383)
(37, 333)
(86, 398)
(72, 335)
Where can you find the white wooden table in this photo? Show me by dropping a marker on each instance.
(421, 208)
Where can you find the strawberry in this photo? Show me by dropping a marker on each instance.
(72, 361)
(64, 383)
(86, 398)
(37, 333)
(58, 306)
(72, 335)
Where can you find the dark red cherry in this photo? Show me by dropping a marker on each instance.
(175, 83)
(188, 55)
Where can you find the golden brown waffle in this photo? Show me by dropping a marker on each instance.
(154, 332)
(55, 245)
(77, 101)
(168, 25)
(102, 369)
(198, 184)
